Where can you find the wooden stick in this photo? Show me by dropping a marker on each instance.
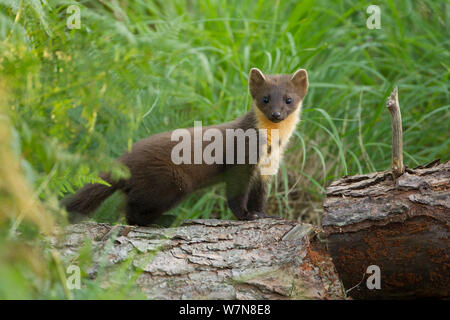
(397, 134)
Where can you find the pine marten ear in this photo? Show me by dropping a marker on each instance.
(255, 80)
(300, 81)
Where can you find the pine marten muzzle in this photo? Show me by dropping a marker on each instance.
(157, 182)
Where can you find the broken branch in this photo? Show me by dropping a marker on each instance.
(397, 134)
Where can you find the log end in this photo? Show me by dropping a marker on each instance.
(400, 225)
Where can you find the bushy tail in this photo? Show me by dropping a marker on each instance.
(88, 198)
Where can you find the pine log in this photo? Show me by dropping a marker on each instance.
(213, 259)
(400, 224)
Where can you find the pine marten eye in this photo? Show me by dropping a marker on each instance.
(288, 100)
(266, 99)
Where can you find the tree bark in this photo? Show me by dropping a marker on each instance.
(215, 259)
(400, 224)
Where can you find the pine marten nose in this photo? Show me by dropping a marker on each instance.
(276, 115)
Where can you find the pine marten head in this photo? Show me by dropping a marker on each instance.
(277, 96)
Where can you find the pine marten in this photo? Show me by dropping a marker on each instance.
(157, 183)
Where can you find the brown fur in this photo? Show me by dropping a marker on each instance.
(156, 184)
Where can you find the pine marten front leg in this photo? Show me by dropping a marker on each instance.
(238, 187)
(246, 194)
(257, 198)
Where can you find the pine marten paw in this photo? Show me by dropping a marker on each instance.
(254, 215)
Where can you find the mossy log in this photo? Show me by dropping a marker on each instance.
(400, 224)
(214, 259)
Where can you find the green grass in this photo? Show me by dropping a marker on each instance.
(79, 98)
(82, 97)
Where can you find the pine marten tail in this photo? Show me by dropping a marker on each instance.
(89, 198)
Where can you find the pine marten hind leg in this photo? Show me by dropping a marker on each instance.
(146, 206)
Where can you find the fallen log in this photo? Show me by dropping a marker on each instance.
(394, 223)
(400, 225)
(214, 259)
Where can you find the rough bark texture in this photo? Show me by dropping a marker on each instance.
(400, 224)
(216, 259)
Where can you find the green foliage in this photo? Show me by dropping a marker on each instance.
(116, 283)
(84, 96)
(136, 68)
